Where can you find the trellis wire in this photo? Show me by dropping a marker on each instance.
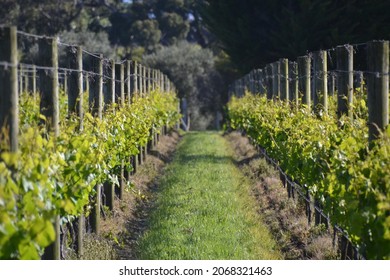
(299, 188)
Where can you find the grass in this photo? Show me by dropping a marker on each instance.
(204, 209)
(285, 217)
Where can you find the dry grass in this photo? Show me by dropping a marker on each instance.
(285, 217)
(143, 195)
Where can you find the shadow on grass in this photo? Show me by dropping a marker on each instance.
(187, 159)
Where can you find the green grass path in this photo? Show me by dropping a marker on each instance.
(204, 209)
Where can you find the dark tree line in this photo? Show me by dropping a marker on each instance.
(236, 35)
(256, 32)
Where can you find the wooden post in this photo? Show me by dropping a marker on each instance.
(119, 84)
(49, 107)
(152, 79)
(34, 79)
(269, 84)
(157, 81)
(96, 91)
(263, 81)
(140, 155)
(80, 222)
(308, 206)
(361, 81)
(75, 106)
(95, 215)
(135, 91)
(296, 84)
(26, 80)
(148, 79)
(135, 77)
(378, 87)
(144, 79)
(96, 106)
(87, 82)
(294, 92)
(9, 98)
(275, 79)
(65, 82)
(301, 74)
(109, 193)
(126, 172)
(49, 83)
(321, 82)
(122, 84)
(120, 99)
(345, 80)
(332, 83)
(111, 87)
(20, 79)
(108, 187)
(128, 81)
(75, 94)
(252, 80)
(141, 79)
(162, 81)
(305, 63)
(284, 83)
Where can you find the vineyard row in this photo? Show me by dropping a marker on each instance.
(328, 135)
(66, 150)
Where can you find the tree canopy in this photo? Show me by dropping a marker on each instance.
(192, 69)
(254, 33)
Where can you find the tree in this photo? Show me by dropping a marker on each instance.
(51, 17)
(254, 33)
(191, 68)
(141, 23)
(96, 42)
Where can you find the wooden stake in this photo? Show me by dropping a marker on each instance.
(96, 91)
(76, 92)
(135, 77)
(345, 80)
(9, 99)
(49, 107)
(378, 87)
(284, 83)
(118, 84)
(321, 82)
(34, 79)
(304, 62)
(80, 222)
(269, 81)
(141, 79)
(122, 84)
(149, 84)
(128, 81)
(95, 215)
(276, 79)
(144, 79)
(111, 87)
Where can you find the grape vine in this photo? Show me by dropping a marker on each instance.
(51, 176)
(332, 156)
